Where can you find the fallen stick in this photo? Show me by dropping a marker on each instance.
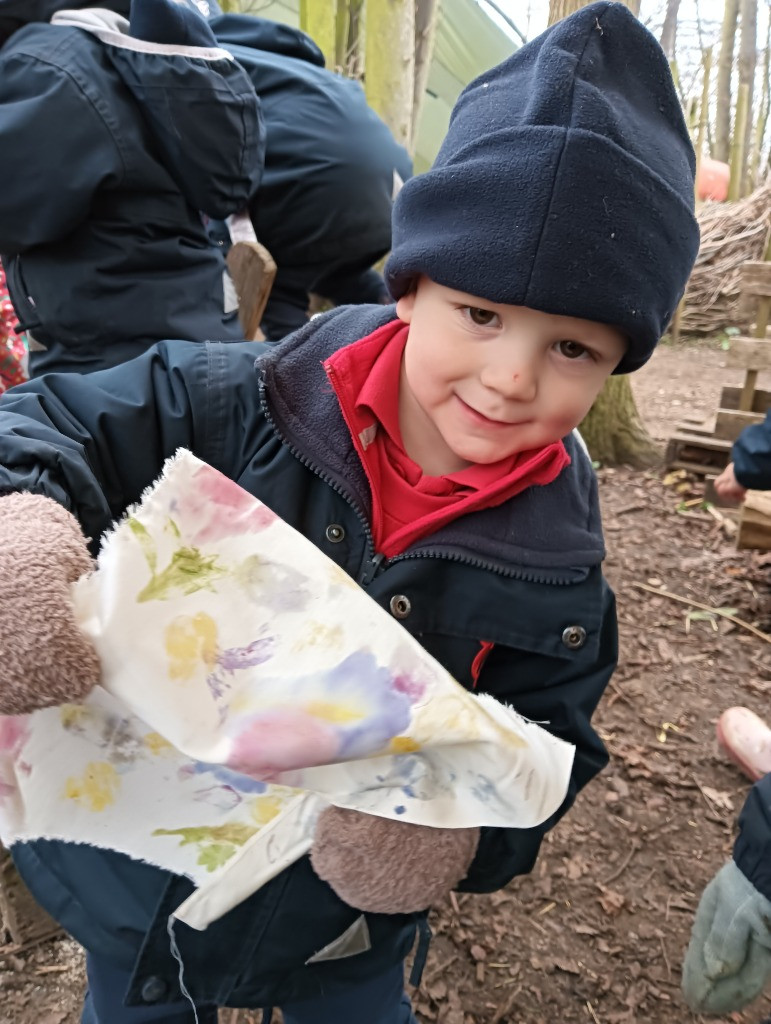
(706, 608)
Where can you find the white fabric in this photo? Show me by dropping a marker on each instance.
(247, 683)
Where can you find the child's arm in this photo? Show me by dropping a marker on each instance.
(94, 442)
(751, 456)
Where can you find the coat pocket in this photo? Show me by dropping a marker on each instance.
(23, 301)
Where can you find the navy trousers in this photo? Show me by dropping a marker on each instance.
(380, 1000)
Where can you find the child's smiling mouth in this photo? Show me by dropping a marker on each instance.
(486, 421)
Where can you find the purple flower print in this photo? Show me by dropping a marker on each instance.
(350, 710)
(227, 778)
(232, 659)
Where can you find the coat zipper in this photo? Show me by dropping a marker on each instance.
(377, 561)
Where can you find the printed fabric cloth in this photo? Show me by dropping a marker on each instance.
(13, 349)
(248, 682)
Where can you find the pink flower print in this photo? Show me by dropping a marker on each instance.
(280, 740)
(14, 732)
(222, 507)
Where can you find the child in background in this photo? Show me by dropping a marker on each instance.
(728, 962)
(428, 450)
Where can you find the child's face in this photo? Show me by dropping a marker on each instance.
(481, 381)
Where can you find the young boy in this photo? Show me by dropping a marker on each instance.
(428, 451)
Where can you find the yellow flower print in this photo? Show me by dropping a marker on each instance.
(190, 641)
(96, 789)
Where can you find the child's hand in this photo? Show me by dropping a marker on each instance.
(389, 867)
(728, 962)
(44, 658)
(728, 487)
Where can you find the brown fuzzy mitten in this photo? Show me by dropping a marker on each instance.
(44, 658)
(389, 867)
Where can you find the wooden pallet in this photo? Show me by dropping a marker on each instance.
(20, 916)
(699, 453)
(755, 521)
(707, 452)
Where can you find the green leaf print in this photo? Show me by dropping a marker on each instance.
(188, 572)
(216, 843)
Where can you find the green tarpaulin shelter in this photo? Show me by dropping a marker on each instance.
(467, 43)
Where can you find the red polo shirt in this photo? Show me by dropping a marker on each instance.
(406, 504)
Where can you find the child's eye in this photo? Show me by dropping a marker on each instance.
(481, 317)
(572, 349)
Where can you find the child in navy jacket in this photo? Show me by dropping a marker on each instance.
(428, 450)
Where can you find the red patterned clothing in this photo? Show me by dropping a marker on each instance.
(13, 351)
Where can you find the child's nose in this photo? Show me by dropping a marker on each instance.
(516, 380)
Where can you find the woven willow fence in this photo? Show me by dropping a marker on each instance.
(731, 234)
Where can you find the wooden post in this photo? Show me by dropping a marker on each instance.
(319, 19)
(706, 59)
(737, 142)
(389, 64)
(762, 311)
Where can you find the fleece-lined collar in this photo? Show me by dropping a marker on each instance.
(556, 527)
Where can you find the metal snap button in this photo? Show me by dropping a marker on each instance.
(334, 533)
(574, 637)
(153, 989)
(400, 606)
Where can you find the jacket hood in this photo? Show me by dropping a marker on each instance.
(199, 105)
(16, 13)
(262, 34)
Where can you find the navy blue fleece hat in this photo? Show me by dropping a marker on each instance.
(173, 22)
(565, 183)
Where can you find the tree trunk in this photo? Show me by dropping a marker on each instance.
(319, 19)
(389, 65)
(765, 103)
(613, 431)
(559, 9)
(723, 102)
(748, 31)
(669, 29)
(426, 17)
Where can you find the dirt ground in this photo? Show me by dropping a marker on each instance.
(596, 935)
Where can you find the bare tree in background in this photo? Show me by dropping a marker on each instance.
(426, 14)
(723, 102)
(669, 29)
(748, 55)
(559, 9)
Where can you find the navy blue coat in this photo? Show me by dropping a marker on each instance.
(323, 209)
(111, 150)
(525, 575)
(751, 456)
